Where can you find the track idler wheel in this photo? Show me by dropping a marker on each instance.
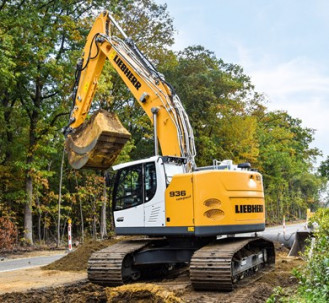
(129, 272)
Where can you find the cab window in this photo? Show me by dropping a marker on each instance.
(150, 181)
(129, 190)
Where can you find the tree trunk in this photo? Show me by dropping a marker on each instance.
(64, 229)
(29, 182)
(39, 217)
(82, 224)
(8, 106)
(59, 201)
(111, 215)
(110, 177)
(28, 212)
(103, 212)
(278, 208)
(44, 228)
(81, 213)
(94, 226)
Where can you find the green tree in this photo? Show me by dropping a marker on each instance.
(40, 43)
(214, 95)
(324, 168)
(285, 160)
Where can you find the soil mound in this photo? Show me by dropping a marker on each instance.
(78, 259)
(75, 293)
(138, 293)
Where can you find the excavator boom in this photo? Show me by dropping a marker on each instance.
(148, 86)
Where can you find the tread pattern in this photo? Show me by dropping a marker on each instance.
(105, 266)
(211, 266)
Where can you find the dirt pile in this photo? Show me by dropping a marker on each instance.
(78, 259)
(139, 292)
(282, 275)
(76, 293)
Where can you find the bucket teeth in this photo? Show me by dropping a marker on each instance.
(97, 143)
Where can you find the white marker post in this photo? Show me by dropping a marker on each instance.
(69, 230)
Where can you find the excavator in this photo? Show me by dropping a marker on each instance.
(177, 213)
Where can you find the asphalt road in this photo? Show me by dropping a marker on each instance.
(14, 264)
(291, 228)
(274, 230)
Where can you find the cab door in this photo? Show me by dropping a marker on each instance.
(128, 197)
(154, 188)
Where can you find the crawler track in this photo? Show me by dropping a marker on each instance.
(113, 265)
(216, 266)
(212, 266)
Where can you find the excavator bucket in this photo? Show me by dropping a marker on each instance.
(97, 143)
(299, 243)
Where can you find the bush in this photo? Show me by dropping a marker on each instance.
(8, 233)
(314, 279)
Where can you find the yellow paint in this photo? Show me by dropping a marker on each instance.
(212, 197)
(227, 189)
(179, 208)
(111, 54)
(86, 86)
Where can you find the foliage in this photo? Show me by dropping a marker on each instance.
(279, 295)
(213, 93)
(314, 279)
(324, 168)
(324, 173)
(285, 159)
(8, 233)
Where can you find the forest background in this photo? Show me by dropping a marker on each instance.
(40, 43)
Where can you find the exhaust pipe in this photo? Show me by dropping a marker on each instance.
(155, 111)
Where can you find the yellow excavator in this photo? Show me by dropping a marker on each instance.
(184, 214)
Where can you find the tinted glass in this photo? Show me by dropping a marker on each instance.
(150, 181)
(129, 188)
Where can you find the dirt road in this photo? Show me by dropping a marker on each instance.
(25, 279)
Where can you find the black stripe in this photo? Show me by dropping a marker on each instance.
(183, 230)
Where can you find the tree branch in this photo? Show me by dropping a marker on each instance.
(61, 49)
(2, 5)
(52, 123)
(49, 96)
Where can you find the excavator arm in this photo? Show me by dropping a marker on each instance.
(153, 93)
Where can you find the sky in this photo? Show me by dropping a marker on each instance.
(283, 45)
